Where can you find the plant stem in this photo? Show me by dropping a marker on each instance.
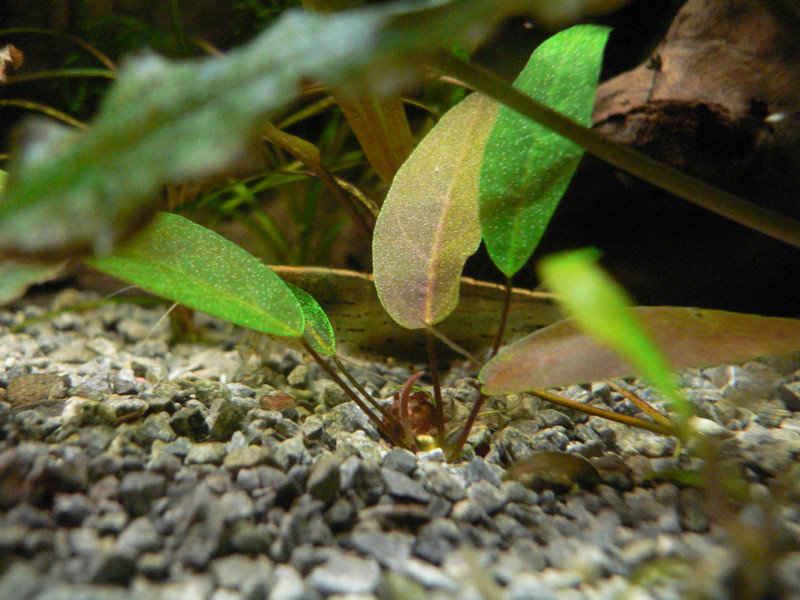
(384, 413)
(501, 328)
(405, 416)
(437, 388)
(462, 438)
(352, 395)
(641, 404)
(664, 176)
(606, 414)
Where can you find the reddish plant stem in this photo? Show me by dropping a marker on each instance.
(437, 389)
(352, 395)
(462, 439)
(405, 416)
(384, 413)
(501, 328)
(662, 428)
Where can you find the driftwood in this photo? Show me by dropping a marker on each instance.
(719, 98)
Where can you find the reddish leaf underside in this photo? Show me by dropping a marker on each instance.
(561, 354)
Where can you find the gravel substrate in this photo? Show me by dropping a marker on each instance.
(132, 468)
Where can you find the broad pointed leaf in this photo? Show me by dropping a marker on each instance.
(428, 224)
(685, 336)
(563, 354)
(318, 331)
(526, 167)
(192, 265)
(363, 327)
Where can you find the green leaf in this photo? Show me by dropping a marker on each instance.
(428, 224)
(318, 331)
(363, 328)
(176, 121)
(192, 265)
(16, 277)
(526, 167)
(564, 353)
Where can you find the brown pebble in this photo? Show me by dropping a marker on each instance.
(276, 401)
(36, 387)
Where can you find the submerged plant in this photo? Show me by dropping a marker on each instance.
(487, 171)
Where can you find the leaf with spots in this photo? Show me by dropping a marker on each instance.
(428, 224)
(605, 339)
(526, 167)
(187, 263)
(318, 331)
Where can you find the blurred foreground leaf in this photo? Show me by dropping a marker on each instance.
(187, 263)
(176, 121)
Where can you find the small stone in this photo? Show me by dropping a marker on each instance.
(288, 585)
(400, 459)
(441, 482)
(249, 456)
(468, 511)
(390, 549)
(243, 573)
(478, 469)
(155, 427)
(324, 479)
(332, 395)
(298, 377)
(229, 419)
(72, 509)
(190, 422)
(549, 417)
(153, 565)
(345, 574)
(488, 497)
(36, 387)
(139, 536)
(528, 586)
(276, 401)
(166, 463)
(209, 391)
(20, 582)
(138, 490)
(403, 487)
(207, 453)
(110, 568)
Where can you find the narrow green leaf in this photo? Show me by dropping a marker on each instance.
(318, 331)
(363, 328)
(526, 167)
(564, 353)
(428, 224)
(187, 263)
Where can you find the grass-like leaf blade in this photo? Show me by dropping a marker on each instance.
(526, 167)
(192, 265)
(428, 225)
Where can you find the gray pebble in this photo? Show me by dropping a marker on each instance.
(345, 574)
(207, 453)
(138, 490)
(402, 487)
